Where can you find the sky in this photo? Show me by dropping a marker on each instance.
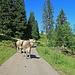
(37, 5)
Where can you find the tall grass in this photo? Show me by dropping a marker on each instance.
(62, 63)
(7, 49)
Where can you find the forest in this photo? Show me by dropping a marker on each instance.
(14, 22)
(59, 32)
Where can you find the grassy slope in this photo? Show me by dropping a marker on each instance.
(63, 64)
(7, 48)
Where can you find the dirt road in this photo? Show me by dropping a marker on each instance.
(19, 65)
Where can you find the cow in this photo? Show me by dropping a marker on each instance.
(18, 44)
(26, 47)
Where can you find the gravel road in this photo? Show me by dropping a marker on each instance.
(19, 65)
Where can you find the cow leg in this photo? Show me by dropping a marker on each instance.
(24, 52)
(29, 56)
(28, 51)
(17, 49)
(21, 50)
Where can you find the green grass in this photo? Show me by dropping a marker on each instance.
(62, 63)
(7, 49)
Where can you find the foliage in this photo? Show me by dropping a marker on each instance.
(64, 35)
(20, 20)
(47, 18)
(14, 21)
(43, 38)
(51, 43)
(32, 27)
(62, 63)
(13, 18)
(61, 18)
(63, 30)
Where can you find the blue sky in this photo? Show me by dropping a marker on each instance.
(37, 5)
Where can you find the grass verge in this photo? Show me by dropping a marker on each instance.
(7, 49)
(63, 64)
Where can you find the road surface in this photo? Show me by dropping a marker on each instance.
(19, 65)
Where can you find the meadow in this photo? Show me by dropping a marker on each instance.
(65, 65)
(7, 48)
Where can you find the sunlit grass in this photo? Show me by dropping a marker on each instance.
(7, 49)
(59, 61)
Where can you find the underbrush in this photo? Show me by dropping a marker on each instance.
(7, 49)
(62, 63)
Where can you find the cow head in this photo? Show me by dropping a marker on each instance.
(32, 41)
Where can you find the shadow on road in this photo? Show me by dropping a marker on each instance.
(33, 46)
(34, 56)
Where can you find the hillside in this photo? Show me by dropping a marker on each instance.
(61, 62)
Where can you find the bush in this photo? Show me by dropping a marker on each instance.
(51, 43)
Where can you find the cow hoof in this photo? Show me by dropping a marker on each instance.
(27, 55)
(21, 51)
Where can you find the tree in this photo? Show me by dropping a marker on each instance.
(4, 16)
(20, 19)
(63, 30)
(32, 27)
(61, 18)
(13, 18)
(47, 18)
(35, 30)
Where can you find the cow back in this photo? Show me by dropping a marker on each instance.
(26, 44)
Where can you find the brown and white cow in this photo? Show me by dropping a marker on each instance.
(26, 47)
(19, 45)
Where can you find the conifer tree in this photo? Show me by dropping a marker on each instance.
(32, 27)
(63, 29)
(47, 18)
(35, 30)
(20, 19)
(13, 18)
(4, 17)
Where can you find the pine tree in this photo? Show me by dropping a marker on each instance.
(13, 18)
(63, 30)
(20, 19)
(4, 17)
(32, 27)
(35, 30)
(47, 18)
(62, 19)
(30, 24)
